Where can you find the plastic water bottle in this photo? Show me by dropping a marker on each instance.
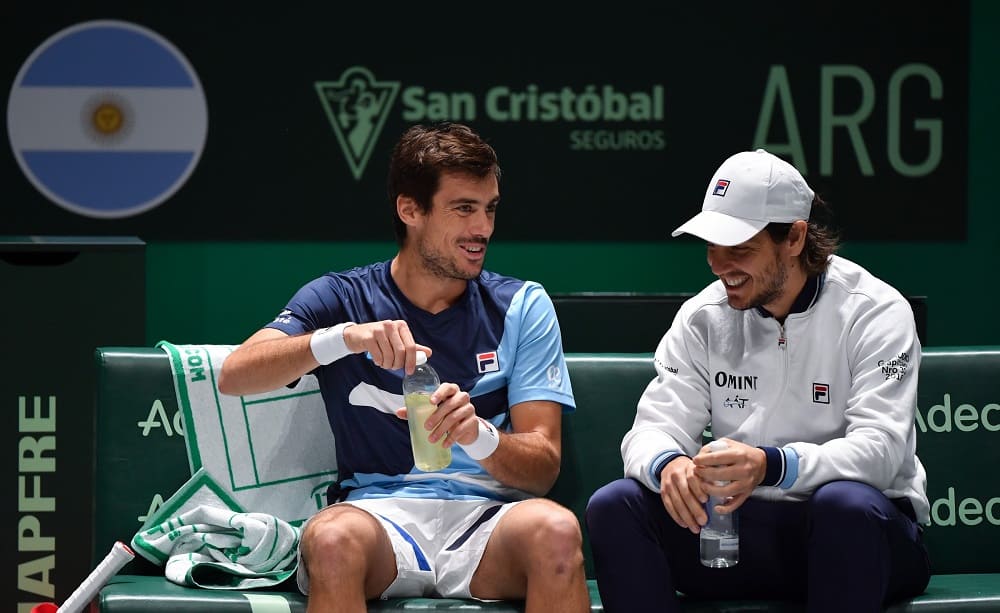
(720, 537)
(417, 390)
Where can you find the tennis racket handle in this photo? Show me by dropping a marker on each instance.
(119, 556)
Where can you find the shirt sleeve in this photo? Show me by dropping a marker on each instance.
(674, 408)
(316, 305)
(540, 369)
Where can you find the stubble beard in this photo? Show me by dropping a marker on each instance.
(772, 291)
(441, 266)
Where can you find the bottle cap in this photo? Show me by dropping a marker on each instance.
(713, 446)
(421, 357)
(719, 446)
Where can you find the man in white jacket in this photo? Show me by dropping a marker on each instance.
(806, 365)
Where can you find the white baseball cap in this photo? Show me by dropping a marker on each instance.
(750, 190)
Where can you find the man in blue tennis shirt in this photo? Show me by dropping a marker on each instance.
(478, 527)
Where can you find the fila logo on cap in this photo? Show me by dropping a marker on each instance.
(720, 187)
(488, 362)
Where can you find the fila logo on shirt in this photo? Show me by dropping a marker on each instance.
(488, 362)
(821, 393)
(720, 187)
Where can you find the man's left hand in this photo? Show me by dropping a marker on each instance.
(741, 465)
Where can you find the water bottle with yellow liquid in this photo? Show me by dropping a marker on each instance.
(417, 389)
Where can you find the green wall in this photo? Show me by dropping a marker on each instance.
(222, 292)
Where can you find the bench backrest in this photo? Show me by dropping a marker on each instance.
(958, 442)
(142, 460)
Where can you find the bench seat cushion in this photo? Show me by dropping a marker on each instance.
(148, 594)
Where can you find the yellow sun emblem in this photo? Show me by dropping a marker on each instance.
(107, 118)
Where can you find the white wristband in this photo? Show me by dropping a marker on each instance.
(328, 344)
(485, 444)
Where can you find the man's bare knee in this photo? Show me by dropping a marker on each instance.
(539, 558)
(343, 540)
(557, 544)
(339, 528)
(541, 535)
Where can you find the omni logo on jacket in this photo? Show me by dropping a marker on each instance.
(735, 381)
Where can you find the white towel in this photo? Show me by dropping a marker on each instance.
(216, 548)
(272, 453)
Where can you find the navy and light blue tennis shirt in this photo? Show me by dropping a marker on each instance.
(500, 342)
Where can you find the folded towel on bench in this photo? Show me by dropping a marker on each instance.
(217, 548)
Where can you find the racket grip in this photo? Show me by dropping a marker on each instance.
(119, 556)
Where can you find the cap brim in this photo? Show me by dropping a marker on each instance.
(720, 229)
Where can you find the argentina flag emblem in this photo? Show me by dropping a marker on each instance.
(107, 119)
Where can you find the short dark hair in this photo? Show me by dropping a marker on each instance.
(822, 240)
(424, 153)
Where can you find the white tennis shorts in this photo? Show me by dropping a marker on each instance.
(438, 543)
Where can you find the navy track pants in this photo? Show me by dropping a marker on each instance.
(848, 548)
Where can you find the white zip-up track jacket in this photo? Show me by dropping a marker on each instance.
(830, 395)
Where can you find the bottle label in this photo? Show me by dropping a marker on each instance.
(729, 544)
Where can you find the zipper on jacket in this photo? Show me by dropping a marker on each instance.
(782, 345)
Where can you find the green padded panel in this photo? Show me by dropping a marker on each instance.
(140, 455)
(606, 389)
(958, 437)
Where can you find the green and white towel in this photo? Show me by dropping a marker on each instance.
(216, 548)
(273, 453)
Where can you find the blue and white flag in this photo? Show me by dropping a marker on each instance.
(107, 119)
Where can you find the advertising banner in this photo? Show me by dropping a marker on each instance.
(212, 125)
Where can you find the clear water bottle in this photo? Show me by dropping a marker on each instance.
(417, 390)
(720, 537)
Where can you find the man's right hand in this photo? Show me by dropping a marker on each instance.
(389, 343)
(682, 495)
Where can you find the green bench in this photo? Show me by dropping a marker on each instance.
(142, 460)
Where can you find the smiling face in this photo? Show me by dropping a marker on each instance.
(756, 274)
(452, 236)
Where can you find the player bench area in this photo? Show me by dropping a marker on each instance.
(141, 460)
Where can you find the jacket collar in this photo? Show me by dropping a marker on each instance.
(806, 298)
